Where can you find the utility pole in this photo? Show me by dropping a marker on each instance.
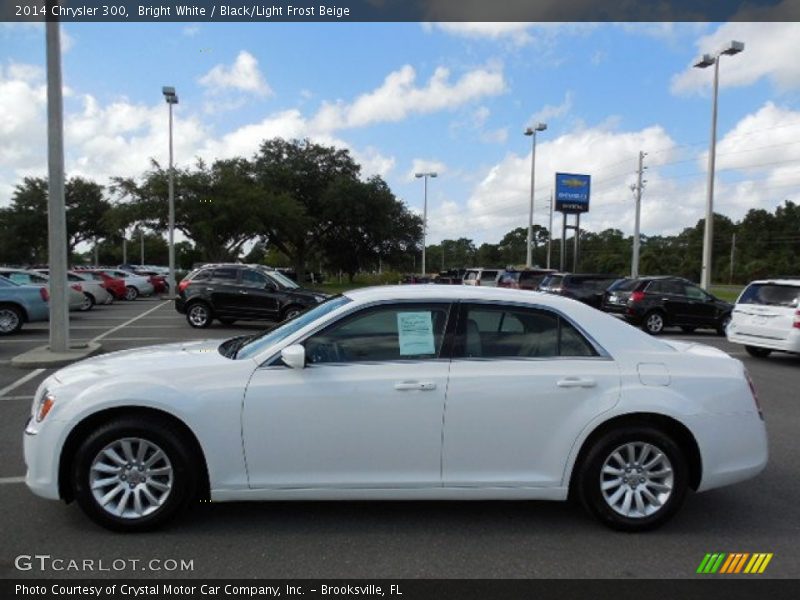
(550, 231)
(636, 235)
(141, 248)
(733, 253)
(56, 213)
(124, 249)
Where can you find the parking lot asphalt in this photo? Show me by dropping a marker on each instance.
(394, 539)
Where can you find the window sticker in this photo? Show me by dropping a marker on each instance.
(415, 330)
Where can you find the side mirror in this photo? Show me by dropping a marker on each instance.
(294, 356)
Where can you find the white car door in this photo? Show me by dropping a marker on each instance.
(524, 382)
(366, 412)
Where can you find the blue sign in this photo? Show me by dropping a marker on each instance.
(572, 192)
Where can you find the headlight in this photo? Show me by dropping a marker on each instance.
(43, 407)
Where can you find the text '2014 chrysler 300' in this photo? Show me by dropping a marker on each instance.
(404, 392)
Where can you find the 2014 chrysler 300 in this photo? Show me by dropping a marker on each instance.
(418, 392)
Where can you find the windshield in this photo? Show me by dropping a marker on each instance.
(280, 333)
(283, 280)
(771, 295)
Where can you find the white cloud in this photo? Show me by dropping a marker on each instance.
(191, 30)
(550, 111)
(516, 32)
(495, 136)
(770, 52)
(399, 96)
(243, 75)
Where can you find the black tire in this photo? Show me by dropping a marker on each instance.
(654, 322)
(291, 311)
(758, 352)
(688, 329)
(723, 324)
(199, 315)
(131, 293)
(590, 478)
(171, 441)
(88, 302)
(11, 319)
(227, 321)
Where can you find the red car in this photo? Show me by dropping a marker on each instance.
(114, 285)
(159, 282)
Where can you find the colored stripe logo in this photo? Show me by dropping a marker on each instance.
(734, 562)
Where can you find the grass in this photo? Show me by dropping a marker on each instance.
(728, 293)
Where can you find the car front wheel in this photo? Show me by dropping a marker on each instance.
(133, 474)
(654, 322)
(199, 315)
(88, 302)
(131, 293)
(10, 320)
(633, 479)
(291, 312)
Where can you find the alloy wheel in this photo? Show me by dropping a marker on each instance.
(637, 480)
(9, 320)
(655, 323)
(198, 315)
(131, 478)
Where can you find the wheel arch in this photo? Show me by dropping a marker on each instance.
(90, 422)
(669, 425)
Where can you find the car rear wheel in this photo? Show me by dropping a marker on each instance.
(10, 319)
(199, 315)
(633, 479)
(653, 322)
(88, 302)
(758, 352)
(131, 293)
(133, 474)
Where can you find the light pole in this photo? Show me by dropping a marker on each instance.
(424, 212)
(705, 61)
(531, 131)
(172, 98)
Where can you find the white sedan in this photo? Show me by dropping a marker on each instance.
(404, 392)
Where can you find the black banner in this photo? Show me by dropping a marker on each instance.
(730, 588)
(398, 10)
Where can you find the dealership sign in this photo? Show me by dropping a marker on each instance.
(572, 192)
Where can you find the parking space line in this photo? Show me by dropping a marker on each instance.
(20, 381)
(129, 321)
(5, 480)
(6, 398)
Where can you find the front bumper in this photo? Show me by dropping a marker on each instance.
(42, 450)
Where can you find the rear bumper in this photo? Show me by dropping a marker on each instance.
(790, 344)
(180, 305)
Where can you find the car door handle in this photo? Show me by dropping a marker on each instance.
(424, 386)
(573, 382)
(242, 291)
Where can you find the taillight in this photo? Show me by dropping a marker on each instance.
(77, 287)
(637, 296)
(796, 323)
(755, 394)
(44, 294)
(183, 285)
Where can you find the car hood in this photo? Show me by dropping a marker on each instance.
(145, 362)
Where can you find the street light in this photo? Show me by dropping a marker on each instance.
(172, 98)
(532, 132)
(424, 213)
(705, 61)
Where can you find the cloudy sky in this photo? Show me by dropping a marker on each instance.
(450, 97)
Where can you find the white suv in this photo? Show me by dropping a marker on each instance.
(767, 317)
(483, 277)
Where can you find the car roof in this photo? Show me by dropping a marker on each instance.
(792, 282)
(451, 293)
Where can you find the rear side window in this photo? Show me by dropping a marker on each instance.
(510, 332)
(771, 294)
(624, 285)
(489, 275)
(225, 274)
(200, 275)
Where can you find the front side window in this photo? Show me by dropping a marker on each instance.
(511, 332)
(695, 293)
(386, 333)
(253, 279)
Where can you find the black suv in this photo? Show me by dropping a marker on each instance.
(231, 292)
(586, 287)
(656, 302)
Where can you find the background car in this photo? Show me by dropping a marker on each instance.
(75, 297)
(231, 292)
(657, 302)
(115, 285)
(766, 317)
(94, 290)
(482, 277)
(523, 279)
(585, 287)
(159, 281)
(21, 304)
(135, 285)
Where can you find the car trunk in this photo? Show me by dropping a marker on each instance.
(767, 311)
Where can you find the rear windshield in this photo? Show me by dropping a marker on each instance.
(624, 285)
(771, 294)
